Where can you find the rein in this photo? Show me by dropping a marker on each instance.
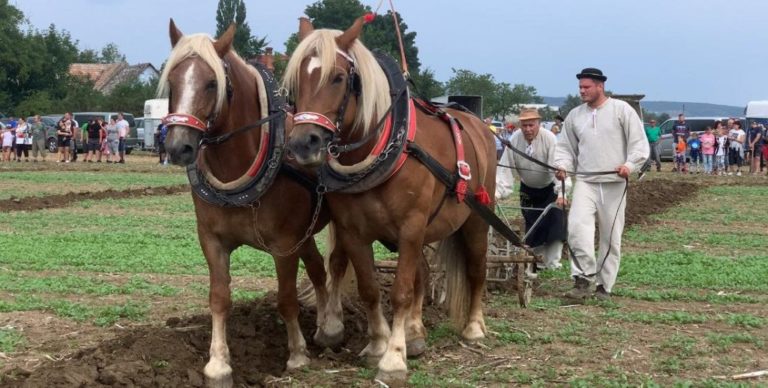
(207, 140)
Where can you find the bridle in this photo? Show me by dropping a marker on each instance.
(192, 121)
(321, 120)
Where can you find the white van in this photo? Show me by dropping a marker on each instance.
(154, 112)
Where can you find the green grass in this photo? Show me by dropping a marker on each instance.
(80, 312)
(688, 295)
(79, 285)
(11, 340)
(40, 183)
(725, 341)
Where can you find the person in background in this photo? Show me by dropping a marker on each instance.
(65, 130)
(653, 133)
(680, 148)
(103, 140)
(557, 127)
(7, 139)
(722, 144)
(694, 144)
(756, 147)
(113, 141)
(12, 124)
(602, 134)
(708, 149)
(681, 129)
(160, 134)
(39, 135)
(538, 187)
(122, 130)
(22, 136)
(736, 138)
(93, 134)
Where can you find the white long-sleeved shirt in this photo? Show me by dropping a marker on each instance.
(602, 139)
(542, 148)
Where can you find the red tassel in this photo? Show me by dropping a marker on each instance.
(369, 17)
(461, 190)
(482, 197)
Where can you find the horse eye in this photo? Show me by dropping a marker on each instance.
(338, 79)
(211, 85)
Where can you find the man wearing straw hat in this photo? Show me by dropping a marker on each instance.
(538, 187)
(604, 137)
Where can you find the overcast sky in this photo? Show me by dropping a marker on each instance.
(682, 50)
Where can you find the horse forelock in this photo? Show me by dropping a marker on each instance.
(321, 44)
(200, 46)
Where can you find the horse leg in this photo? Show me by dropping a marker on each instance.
(313, 262)
(368, 288)
(217, 371)
(475, 245)
(392, 367)
(288, 307)
(331, 332)
(415, 332)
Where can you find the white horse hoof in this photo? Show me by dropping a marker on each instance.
(415, 347)
(297, 361)
(474, 331)
(218, 374)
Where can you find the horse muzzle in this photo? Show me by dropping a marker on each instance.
(181, 144)
(308, 144)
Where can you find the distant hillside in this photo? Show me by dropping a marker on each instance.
(673, 107)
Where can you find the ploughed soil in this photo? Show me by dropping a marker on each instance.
(173, 353)
(63, 200)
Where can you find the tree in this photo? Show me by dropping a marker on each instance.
(379, 34)
(426, 85)
(499, 99)
(111, 54)
(571, 101)
(130, 96)
(233, 11)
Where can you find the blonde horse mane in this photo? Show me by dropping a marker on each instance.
(374, 97)
(195, 45)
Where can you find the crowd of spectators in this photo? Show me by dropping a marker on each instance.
(99, 140)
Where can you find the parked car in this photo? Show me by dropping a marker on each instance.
(697, 124)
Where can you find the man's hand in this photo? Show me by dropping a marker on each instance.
(623, 171)
(561, 202)
(560, 174)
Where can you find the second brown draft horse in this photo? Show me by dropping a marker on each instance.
(341, 94)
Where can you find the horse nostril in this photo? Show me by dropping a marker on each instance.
(187, 150)
(314, 141)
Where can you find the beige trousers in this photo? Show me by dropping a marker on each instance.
(601, 201)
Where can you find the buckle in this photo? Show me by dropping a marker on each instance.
(464, 171)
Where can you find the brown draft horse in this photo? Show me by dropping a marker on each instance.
(207, 82)
(397, 210)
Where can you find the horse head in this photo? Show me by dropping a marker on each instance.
(337, 87)
(195, 80)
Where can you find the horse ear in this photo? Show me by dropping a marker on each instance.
(305, 28)
(174, 33)
(346, 39)
(224, 42)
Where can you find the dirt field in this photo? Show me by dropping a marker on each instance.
(171, 350)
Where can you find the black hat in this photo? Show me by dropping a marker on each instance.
(592, 73)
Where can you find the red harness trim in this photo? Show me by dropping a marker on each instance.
(314, 118)
(410, 135)
(256, 166)
(185, 120)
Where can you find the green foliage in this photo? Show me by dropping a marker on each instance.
(724, 341)
(571, 101)
(11, 340)
(427, 85)
(233, 11)
(499, 98)
(98, 315)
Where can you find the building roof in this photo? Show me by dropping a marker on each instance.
(105, 76)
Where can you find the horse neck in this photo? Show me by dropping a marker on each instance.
(231, 159)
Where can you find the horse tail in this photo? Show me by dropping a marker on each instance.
(450, 253)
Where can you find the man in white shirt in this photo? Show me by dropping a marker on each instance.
(538, 187)
(122, 131)
(603, 134)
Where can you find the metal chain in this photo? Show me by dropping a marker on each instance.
(384, 155)
(307, 234)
